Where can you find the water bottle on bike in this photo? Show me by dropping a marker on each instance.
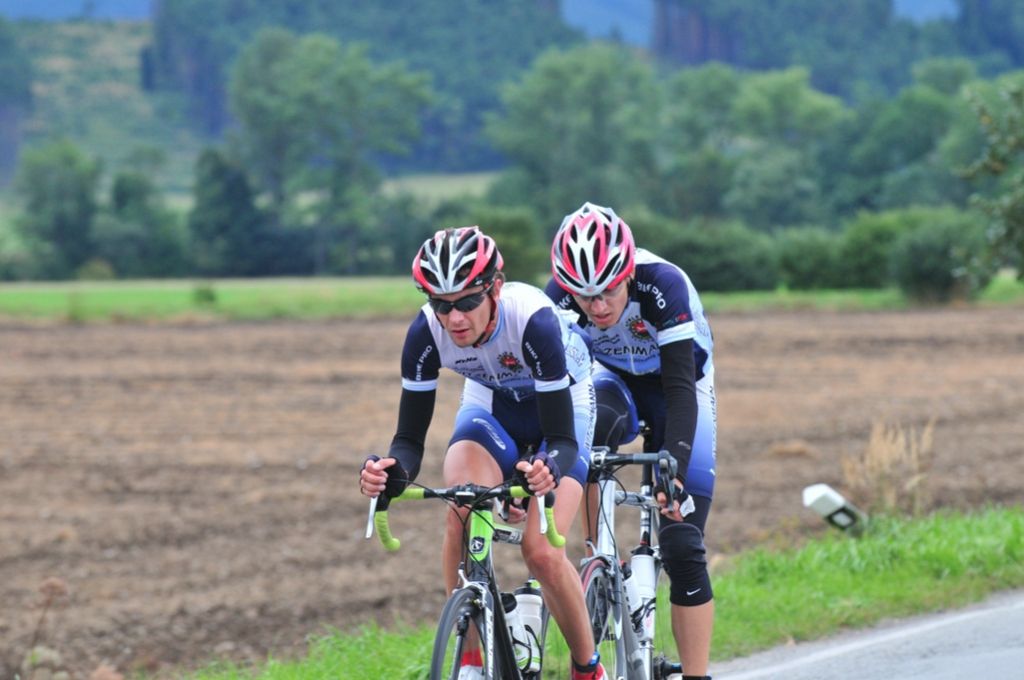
(530, 605)
(644, 579)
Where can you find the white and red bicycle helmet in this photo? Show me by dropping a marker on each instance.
(593, 251)
(455, 259)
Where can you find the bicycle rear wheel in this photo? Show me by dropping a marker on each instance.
(609, 621)
(459, 631)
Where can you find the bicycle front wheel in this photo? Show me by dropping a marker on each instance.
(609, 621)
(459, 632)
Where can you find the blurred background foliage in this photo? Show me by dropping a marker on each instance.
(785, 143)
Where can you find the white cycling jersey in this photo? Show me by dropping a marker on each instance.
(664, 307)
(532, 349)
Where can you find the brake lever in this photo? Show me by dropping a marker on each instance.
(369, 520)
(665, 477)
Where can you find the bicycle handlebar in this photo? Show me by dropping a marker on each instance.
(667, 466)
(602, 458)
(465, 495)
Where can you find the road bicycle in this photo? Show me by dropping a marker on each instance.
(621, 595)
(471, 620)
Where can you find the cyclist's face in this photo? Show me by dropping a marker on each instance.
(604, 309)
(466, 327)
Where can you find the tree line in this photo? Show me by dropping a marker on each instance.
(747, 179)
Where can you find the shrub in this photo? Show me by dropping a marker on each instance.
(865, 248)
(808, 258)
(943, 260)
(723, 256)
(518, 235)
(867, 243)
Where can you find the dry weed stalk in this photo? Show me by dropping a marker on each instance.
(52, 590)
(891, 473)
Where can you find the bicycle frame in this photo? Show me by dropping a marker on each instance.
(476, 573)
(636, 631)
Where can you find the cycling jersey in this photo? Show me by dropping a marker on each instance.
(663, 307)
(533, 353)
(532, 349)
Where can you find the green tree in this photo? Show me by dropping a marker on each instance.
(57, 185)
(945, 74)
(781, 106)
(1003, 160)
(469, 47)
(313, 116)
(136, 235)
(992, 29)
(774, 186)
(746, 145)
(698, 139)
(580, 125)
(227, 229)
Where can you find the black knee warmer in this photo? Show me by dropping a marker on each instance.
(682, 554)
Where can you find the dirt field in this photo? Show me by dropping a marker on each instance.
(194, 486)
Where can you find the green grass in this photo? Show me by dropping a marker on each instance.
(434, 188)
(900, 567)
(319, 298)
(370, 652)
(230, 299)
(1004, 288)
(791, 300)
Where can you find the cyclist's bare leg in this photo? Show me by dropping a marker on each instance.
(590, 507)
(465, 461)
(691, 627)
(560, 582)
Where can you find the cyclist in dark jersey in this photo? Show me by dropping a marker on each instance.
(654, 349)
(528, 387)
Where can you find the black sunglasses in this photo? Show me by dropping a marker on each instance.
(466, 303)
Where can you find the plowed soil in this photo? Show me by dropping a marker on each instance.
(194, 486)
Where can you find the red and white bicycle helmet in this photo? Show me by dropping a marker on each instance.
(593, 250)
(455, 259)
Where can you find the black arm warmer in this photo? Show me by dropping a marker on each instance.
(415, 411)
(677, 380)
(558, 423)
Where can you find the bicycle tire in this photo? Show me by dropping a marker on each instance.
(461, 614)
(613, 632)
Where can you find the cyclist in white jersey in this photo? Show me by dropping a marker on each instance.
(654, 349)
(527, 409)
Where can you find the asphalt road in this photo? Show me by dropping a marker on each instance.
(982, 641)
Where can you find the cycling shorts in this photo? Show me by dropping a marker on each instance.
(643, 398)
(507, 428)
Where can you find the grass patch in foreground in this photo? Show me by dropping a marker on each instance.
(369, 653)
(900, 567)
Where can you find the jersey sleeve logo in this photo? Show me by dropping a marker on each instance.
(638, 328)
(510, 361)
